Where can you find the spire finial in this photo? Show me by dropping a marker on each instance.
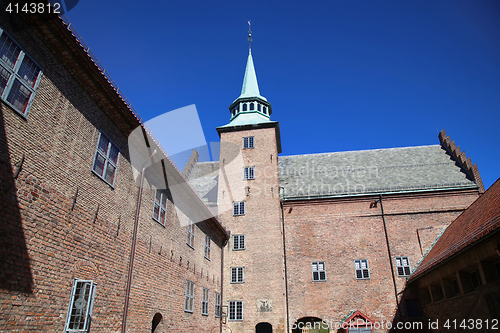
(249, 36)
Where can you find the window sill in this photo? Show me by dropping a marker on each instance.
(104, 180)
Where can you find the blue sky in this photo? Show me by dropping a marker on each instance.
(340, 75)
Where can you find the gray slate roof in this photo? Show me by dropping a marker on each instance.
(204, 180)
(370, 172)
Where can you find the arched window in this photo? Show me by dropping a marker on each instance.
(157, 318)
(244, 106)
(258, 107)
(265, 109)
(252, 106)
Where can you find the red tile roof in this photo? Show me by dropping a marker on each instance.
(479, 220)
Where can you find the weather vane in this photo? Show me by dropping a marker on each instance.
(249, 36)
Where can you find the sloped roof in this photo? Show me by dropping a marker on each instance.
(370, 171)
(204, 179)
(478, 221)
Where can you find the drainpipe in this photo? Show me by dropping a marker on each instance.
(284, 261)
(132, 250)
(390, 257)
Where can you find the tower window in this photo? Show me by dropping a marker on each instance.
(244, 106)
(265, 109)
(19, 75)
(238, 242)
(361, 267)
(258, 107)
(252, 106)
(248, 142)
(249, 173)
(403, 266)
(239, 208)
(318, 271)
(237, 274)
(235, 310)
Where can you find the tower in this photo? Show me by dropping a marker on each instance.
(249, 205)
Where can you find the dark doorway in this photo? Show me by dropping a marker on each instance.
(264, 328)
(156, 321)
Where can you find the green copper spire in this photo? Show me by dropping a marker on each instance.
(250, 108)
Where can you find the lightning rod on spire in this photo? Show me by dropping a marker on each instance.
(249, 36)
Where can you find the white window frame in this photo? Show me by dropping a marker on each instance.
(12, 71)
(75, 308)
(248, 173)
(238, 208)
(403, 266)
(218, 307)
(237, 274)
(107, 159)
(190, 236)
(318, 271)
(358, 267)
(158, 206)
(233, 314)
(208, 242)
(238, 241)
(189, 297)
(204, 302)
(248, 142)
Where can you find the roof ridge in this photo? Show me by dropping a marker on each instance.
(360, 150)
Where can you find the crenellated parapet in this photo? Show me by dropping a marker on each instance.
(464, 161)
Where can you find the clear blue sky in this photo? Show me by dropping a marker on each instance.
(340, 75)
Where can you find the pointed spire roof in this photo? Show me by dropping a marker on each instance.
(250, 86)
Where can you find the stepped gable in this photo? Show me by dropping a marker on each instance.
(396, 170)
(481, 219)
(464, 161)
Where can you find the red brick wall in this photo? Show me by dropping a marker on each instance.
(343, 230)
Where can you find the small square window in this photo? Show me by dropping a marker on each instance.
(19, 75)
(207, 247)
(238, 242)
(318, 271)
(361, 268)
(217, 305)
(235, 310)
(160, 207)
(80, 306)
(237, 274)
(249, 173)
(106, 159)
(190, 234)
(204, 302)
(403, 266)
(189, 296)
(239, 208)
(248, 142)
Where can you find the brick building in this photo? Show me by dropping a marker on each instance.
(69, 209)
(326, 237)
(457, 284)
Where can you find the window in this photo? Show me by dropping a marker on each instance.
(318, 271)
(248, 142)
(456, 289)
(239, 208)
(237, 275)
(244, 106)
(248, 173)
(207, 247)
(204, 302)
(403, 266)
(160, 207)
(238, 242)
(19, 75)
(474, 279)
(235, 310)
(258, 107)
(217, 305)
(188, 302)
(190, 234)
(252, 107)
(80, 306)
(106, 159)
(361, 267)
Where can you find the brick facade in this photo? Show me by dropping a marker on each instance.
(60, 221)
